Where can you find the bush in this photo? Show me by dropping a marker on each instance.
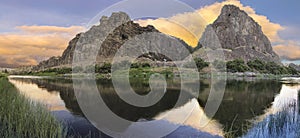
(104, 69)
(257, 65)
(200, 63)
(276, 69)
(58, 70)
(237, 65)
(292, 70)
(145, 65)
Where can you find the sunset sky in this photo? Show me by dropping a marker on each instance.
(34, 30)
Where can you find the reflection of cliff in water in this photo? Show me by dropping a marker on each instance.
(282, 118)
(117, 105)
(243, 100)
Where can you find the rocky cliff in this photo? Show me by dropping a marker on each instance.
(238, 36)
(111, 34)
(234, 33)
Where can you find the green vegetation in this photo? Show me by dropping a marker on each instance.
(20, 117)
(259, 66)
(104, 69)
(145, 69)
(200, 63)
(237, 65)
(50, 72)
(270, 68)
(2, 75)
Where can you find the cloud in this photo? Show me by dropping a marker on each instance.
(32, 44)
(289, 50)
(193, 22)
(50, 29)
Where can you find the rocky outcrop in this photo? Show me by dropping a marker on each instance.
(234, 33)
(237, 35)
(110, 35)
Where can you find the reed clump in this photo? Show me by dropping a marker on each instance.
(21, 117)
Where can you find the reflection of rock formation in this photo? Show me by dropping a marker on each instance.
(33, 92)
(121, 108)
(242, 101)
(196, 119)
(286, 100)
(282, 118)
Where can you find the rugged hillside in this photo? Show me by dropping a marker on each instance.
(234, 33)
(238, 35)
(112, 33)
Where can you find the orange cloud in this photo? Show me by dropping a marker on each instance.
(289, 50)
(50, 29)
(195, 22)
(31, 44)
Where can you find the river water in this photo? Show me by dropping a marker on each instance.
(246, 102)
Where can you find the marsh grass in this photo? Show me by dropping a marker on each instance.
(21, 117)
(279, 125)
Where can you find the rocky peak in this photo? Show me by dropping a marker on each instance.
(110, 34)
(239, 36)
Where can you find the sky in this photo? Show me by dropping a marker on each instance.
(34, 30)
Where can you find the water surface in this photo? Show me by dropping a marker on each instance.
(243, 102)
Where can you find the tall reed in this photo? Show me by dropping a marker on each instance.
(21, 117)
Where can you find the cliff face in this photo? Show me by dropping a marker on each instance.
(239, 36)
(111, 34)
(234, 33)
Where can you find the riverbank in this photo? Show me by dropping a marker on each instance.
(168, 73)
(21, 117)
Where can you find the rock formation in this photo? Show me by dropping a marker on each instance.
(234, 33)
(238, 36)
(111, 34)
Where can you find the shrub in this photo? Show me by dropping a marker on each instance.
(276, 69)
(292, 70)
(104, 69)
(145, 65)
(200, 63)
(237, 65)
(257, 65)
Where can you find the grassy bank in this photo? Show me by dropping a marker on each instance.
(20, 117)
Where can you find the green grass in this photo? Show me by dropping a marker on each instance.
(21, 117)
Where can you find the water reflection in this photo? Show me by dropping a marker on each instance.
(194, 119)
(243, 101)
(35, 93)
(282, 118)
